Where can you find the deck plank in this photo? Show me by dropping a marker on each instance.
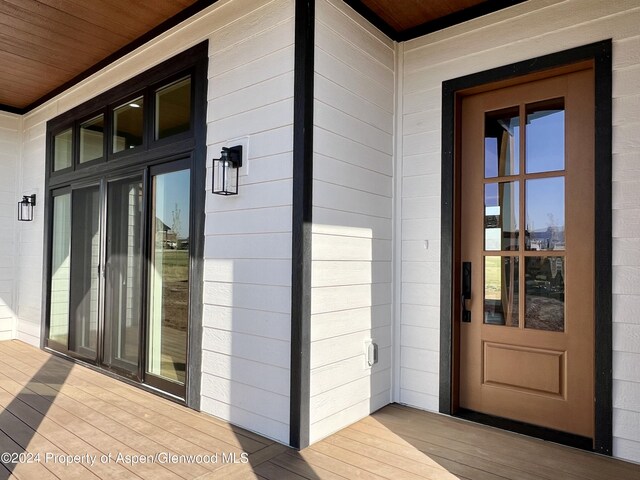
(213, 427)
(135, 439)
(48, 404)
(299, 466)
(323, 461)
(271, 471)
(80, 426)
(518, 450)
(451, 453)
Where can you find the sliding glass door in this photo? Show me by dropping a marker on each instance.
(123, 275)
(85, 260)
(120, 269)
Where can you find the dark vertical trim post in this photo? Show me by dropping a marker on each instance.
(447, 246)
(600, 54)
(46, 205)
(198, 189)
(603, 247)
(301, 223)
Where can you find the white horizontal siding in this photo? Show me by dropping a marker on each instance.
(247, 303)
(10, 139)
(517, 33)
(247, 295)
(352, 211)
(29, 250)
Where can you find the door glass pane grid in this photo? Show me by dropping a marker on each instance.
(544, 293)
(501, 216)
(535, 198)
(545, 205)
(545, 134)
(501, 290)
(502, 143)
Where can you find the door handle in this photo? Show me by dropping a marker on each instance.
(466, 290)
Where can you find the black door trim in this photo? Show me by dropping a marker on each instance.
(600, 54)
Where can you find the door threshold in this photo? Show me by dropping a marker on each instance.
(112, 374)
(543, 433)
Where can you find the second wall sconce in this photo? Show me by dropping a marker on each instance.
(226, 171)
(25, 208)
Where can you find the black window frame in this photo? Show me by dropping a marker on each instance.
(76, 140)
(153, 89)
(190, 144)
(51, 138)
(111, 111)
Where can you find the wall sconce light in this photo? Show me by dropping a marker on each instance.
(25, 208)
(226, 170)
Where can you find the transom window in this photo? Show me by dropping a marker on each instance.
(148, 118)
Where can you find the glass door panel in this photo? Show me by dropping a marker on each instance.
(123, 274)
(60, 270)
(85, 259)
(169, 276)
(120, 275)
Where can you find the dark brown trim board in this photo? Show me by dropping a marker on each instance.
(464, 15)
(301, 224)
(600, 54)
(373, 18)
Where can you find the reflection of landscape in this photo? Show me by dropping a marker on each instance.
(544, 313)
(549, 238)
(544, 280)
(169, 300)
(544, 288)
(544, 209)
(175, 314)
(501, 291)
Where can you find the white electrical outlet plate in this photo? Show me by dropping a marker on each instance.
(370, 352)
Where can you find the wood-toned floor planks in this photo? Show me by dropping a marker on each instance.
(50, 405)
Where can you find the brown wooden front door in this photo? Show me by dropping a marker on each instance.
(526, 229)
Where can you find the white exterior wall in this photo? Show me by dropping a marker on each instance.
(248, 238)
(352, 209)
(521, 32)
(30, 250)
(10, 128)
(247, 294)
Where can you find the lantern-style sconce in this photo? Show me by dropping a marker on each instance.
(226, 171)
(25, 208)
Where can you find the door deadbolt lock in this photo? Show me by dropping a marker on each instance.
(466, 291)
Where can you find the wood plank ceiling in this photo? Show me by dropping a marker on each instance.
(47, 46)
(402, 15)
(46, 43)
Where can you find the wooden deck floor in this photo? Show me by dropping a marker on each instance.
(52, 408)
